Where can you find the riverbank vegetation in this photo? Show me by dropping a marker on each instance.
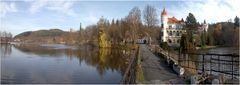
(5, 37)
(218, 34)
(139, 74)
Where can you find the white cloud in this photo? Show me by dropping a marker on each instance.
(6, 7)
(210, 10)
(61, 6)
(92, 18)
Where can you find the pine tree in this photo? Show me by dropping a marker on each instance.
(236, 22)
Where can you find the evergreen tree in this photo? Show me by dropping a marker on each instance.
(191, 25)
(191, 22)
(203, 39)
(236, 22)
(187, 40)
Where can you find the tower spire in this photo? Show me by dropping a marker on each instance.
(164, 12)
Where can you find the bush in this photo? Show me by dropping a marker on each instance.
(164, 45)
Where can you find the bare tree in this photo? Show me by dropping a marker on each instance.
(150, 16)
(9, 35)
(134, 20)
(4, 34)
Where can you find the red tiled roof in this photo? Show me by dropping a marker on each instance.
(172, 20)
(164, 12)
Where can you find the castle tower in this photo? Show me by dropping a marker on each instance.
(164, 18)
(164, 25)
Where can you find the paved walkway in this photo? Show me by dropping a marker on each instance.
(155, 69)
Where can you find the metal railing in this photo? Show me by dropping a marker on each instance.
(213, 64)
(227, 64)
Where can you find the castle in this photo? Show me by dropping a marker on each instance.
(172, 29)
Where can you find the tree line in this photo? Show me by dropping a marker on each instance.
(124, 30)
(5, 36)
(132, 27)
(139, 24)
(218, 34)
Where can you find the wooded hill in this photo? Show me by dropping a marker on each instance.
(44, 36)
(41, 33)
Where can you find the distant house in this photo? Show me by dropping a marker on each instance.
(171, 29)
(5, 39)
(203, 27)
(17, 40)
(144, 38)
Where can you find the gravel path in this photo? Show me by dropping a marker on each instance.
(155, 68)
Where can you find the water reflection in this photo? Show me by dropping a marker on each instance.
(44, 64)
(6, 50)
(103, 59)
(39, 50)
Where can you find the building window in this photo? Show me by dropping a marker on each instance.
(169, 41)
(170, 26)
(178, 34)
(170, 33)
(178, 41)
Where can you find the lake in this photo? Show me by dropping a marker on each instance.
(217, 61)
(61, 64)
(226, 65)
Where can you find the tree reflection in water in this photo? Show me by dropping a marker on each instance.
(103, 59)
(6, 50)
(39, 50)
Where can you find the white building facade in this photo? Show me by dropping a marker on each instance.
(171, 29)
(203, 27)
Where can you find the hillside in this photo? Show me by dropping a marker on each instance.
(45, 36)
(41, 33)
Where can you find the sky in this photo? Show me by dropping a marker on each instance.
(31, 15)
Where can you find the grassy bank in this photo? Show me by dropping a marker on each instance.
(139, 74)
(208, 47)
